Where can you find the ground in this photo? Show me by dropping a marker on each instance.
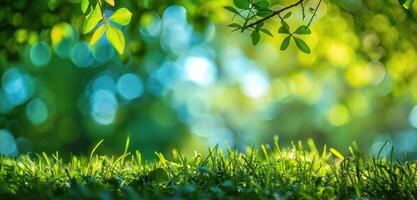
(267, 172)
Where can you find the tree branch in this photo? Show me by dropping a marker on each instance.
(314, 14)
(274, 13)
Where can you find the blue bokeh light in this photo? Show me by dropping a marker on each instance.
(37, 111)
(176, 32)
(81, 55)
(103, 104)
(17, 86)
(40, 54)
(7, 143)
(129, 86)
(153, 29)
(104, 82)
(161, 79)
(103, 52)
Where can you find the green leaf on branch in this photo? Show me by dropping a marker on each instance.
(262, 4)
(122, 16)
(84, 5)
(266, 31)
(302, 45)
(116, 38)
(231, 9)
(92, 19)
(303, 30)
(406, 3)
(242, 4)
(255, 37)
(285, 43)
(259, 25)
(287, 15)
(98, 34)
(264, 13)
(234, 25)
(284, 29)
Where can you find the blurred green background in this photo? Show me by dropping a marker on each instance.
(187, 82)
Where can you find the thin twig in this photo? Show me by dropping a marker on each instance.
(302, 10)
(273, 14)
(314, 14)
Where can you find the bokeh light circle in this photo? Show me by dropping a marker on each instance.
(81, 55)
(255, 84)
(37, 111)
(103, 106)
(129, 86)
(7, 143)
(40, 54)
(63, 37)
(16, 85)
(103, 52)
(200, 70)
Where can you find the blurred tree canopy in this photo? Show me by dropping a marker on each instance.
(184, 80)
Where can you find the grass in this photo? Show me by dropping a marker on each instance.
(270, 172)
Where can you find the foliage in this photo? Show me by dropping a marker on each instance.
(255, 13)
(121, 17)
(268, 172)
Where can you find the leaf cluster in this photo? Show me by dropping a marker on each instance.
(255, 13)
(96, 21)
(251, 11)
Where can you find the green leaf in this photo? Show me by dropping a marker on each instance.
(116, 38)
(242, 4)
(235, 25)
(406, 3)
(236, 29)
(302, 45)
(259, 25)
(287, 15)
(255, 37)
(122, 16)
(262, 4)
(337, 154)
(231, 9)
(285, 43)
(93, 19)
(284, 29)
(303, 30)
(98, 34)
(266, 31)
(84, 5)
(264, 13)
(311, 9)
(110, 2)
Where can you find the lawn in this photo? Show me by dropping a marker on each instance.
(299, 171)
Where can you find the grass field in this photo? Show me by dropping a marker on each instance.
(300, 171)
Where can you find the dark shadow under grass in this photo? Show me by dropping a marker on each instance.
(265, 173)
